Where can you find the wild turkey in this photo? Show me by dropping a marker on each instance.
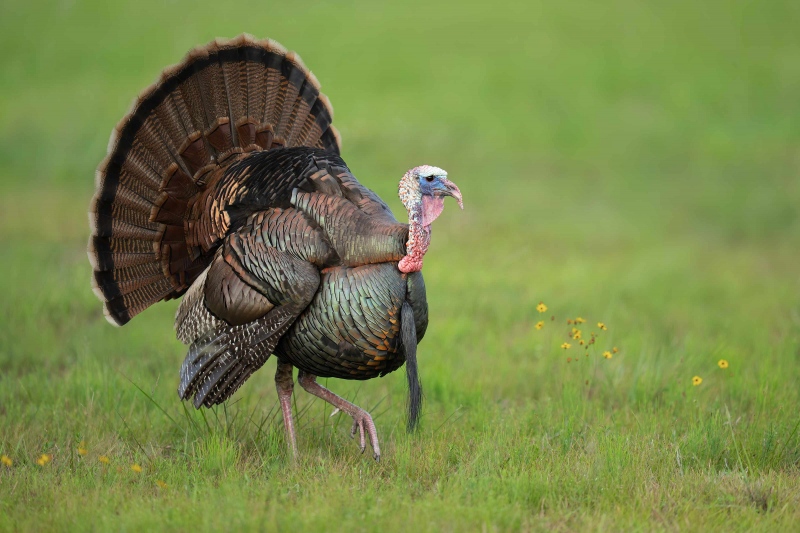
(224, 184)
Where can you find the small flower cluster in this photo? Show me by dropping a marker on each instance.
(697, 380)
(44, 459)
(576, 334)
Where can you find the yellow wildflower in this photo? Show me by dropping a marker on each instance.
(615, 349)
(161, 484)
(607, 354)
(6, 460)
(697, 380)
(602, 326)
(44, 459)
(82, 450)
(579, 320)
(566, 346)
(136, 468)
(541, 307)
(582, 342)
(722, 363)
(576, 334)
(104, 459)
(540, 324)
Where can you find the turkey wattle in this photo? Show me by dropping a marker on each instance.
(224, 184)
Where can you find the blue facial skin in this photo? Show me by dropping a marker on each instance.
(431, 185)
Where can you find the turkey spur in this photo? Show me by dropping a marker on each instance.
(224, 185)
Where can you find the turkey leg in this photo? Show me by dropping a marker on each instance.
(285, 385)
(362, 421)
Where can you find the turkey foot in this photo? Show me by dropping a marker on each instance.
(362, 421)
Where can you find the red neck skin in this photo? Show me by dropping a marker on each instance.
(419, 238)
(420, 217)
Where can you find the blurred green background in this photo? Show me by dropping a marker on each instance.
(630, 162)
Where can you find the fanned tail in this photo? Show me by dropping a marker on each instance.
(224, 99)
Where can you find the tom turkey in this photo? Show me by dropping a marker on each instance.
(224, 184)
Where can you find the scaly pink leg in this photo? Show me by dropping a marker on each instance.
(362, 421)
(285, 385)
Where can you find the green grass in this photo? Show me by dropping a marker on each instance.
(631, 162)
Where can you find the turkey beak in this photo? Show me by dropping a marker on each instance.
(451, 189)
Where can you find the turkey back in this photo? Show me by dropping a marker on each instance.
(222, 102)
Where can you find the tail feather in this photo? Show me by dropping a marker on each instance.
(102, 262)
(105, 225)
(134, 302)
(131, 273)
(223, 99)
(128, 286)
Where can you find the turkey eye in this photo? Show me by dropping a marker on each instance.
(429, 178)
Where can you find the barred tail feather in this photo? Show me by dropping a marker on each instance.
(224, 99)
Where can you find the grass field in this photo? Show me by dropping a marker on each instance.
(634, 163)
